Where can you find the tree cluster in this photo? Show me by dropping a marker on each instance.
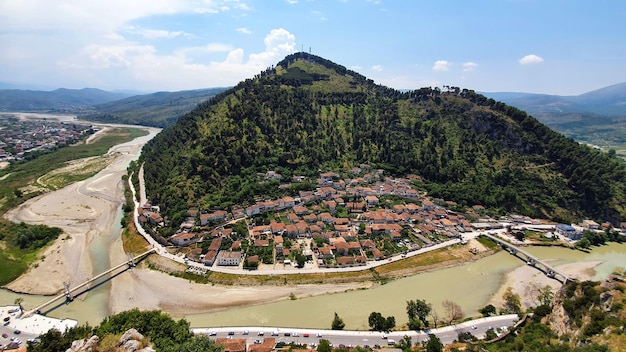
(418, 311)
(378, 322)
(337, 323)
(164, 333)
(25, 236)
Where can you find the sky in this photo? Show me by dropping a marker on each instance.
(564, 47)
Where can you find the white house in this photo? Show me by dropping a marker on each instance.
(229, 258)
(184, 239)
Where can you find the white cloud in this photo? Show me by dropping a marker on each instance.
(441, 66)
(90, 16)
(319, 15)
(217, 6)
(292, 2)
(177, 71)
(39, 43)
(156, 33)
(244, 30)
(143, 67)
(377, 68)
(530, 59)
(98, 16)
(279, 41)
(102, 57)
(203, 50)
(469, 66)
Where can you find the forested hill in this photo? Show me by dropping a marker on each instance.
(309, 114)
(159, 109)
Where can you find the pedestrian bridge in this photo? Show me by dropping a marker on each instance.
(70, 293)
(531, 260)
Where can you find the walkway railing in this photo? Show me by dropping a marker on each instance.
(68, 292)
(530, 259)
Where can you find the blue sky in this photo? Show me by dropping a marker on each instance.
(564, 47)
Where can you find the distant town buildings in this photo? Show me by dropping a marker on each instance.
(19, 137)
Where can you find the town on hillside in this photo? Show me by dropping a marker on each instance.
(345, 222)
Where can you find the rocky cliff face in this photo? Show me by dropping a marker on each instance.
(588, 311)
(558, 320)
(131, 341)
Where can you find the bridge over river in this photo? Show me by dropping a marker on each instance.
(70, 293)
(531, 260)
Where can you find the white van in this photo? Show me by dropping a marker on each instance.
(391, 342)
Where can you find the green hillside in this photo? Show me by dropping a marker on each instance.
(159, 109)
(309, 114)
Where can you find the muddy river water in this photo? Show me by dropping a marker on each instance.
(471, 285)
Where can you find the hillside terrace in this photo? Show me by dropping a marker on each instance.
(343, 222)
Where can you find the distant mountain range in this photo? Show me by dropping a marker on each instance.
(597, 117)
(59, 100)
(609, 101)
(157, 109)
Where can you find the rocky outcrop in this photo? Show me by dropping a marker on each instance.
(131, 341)
(85, 345)
(558, 320)
(586, 311)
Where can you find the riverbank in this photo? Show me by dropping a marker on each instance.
(85, 211)
(150, 289)
(526, 280)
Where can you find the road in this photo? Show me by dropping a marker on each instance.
(162, 251)
(358, 338)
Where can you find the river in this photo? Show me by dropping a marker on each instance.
(99, 229)
(470, 285)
